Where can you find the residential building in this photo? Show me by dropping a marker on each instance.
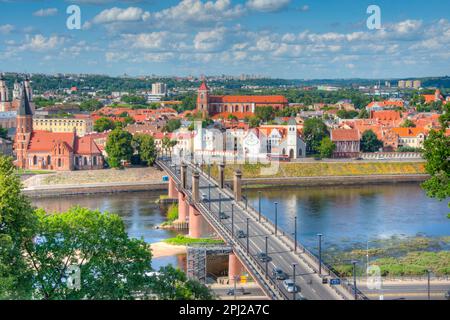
(159, 89)
(81, 124)
(347, 142)
(430, 98)
(6, 147)
(410, 137)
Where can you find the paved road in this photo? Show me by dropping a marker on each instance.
(282, 256)
(408, 291)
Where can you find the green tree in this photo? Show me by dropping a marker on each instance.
(119, 147)
(326, 148)
(112, 266)
(314, 130)
(134, 100)
(17, 227)
(167, 144)
(172, 125)
(103, 124)
(3, 133)
(370, 142)
(145, 147)
(91, 105)
(364, 114)
(343, 114)
(173, 284)
(408, 124)
(436, 151)
(265, 113)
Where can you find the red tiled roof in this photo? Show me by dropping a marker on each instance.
(86, 145)
(345, 135)
(408, 132)
(43, 141)
(249, 99)
(386, 115)
(386, 103)
(203, 86)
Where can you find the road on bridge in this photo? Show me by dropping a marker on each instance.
(309, 282)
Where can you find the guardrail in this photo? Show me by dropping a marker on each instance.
(267, 284)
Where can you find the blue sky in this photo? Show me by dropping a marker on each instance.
(300, 39)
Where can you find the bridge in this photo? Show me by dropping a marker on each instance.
(203, 201)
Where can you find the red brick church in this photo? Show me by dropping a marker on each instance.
(212, 105)
(44, 150)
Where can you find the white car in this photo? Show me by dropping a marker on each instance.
(290, 286)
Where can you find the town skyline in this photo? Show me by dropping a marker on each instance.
(287, 39)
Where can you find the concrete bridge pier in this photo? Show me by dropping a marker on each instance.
(172, 189)
(183, 207)
(235, 267)
(196, 222)
(221, 175)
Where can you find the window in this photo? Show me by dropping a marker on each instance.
(59, 163)
(34, 160)
(95, 160)
(49, 160)
(85, 161)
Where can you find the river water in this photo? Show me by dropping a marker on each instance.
(346, 216)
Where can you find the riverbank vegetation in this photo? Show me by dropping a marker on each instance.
(91, 252)
(396, 257)
(182, 240)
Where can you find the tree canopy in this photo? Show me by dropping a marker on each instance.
(370, 142)
(104, 124)
(326, 148)
(119, 147)
(145, 147)
(314, 130)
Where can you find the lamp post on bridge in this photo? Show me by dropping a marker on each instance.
(248, 219)
(320, 253)
(232, 220)
(276, 218)
(354, 279)
(293, 279)
(220, 204)
(259, 206)
(295, 234)
(267, 256)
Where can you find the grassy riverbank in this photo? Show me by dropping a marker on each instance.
(397, 257)
(311, 169)
(181, 240)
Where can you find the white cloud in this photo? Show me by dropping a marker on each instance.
(6, 28)
(121, 15)
(209, 40)
(46, 12)
(268, 5)
(41, 43)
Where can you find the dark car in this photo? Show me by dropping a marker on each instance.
(279, 274)
(237, 292)
(241, 234)
(263, 257)
(223, 216)
(447, 295)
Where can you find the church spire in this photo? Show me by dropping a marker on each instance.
(24, 107)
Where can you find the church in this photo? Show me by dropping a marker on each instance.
(45, 150)
(210, 105)
(6, 103)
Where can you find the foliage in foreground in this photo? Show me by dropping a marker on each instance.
(181, 240)
(39, 252)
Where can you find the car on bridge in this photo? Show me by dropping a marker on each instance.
(263, 257)
(204, 198)
(237, 292)
(241, 234)
(290, 286)
(223, 216)
(447, 295)
(279, 274)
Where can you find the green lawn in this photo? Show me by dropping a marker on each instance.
(181, 240)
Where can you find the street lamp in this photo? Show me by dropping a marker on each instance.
(232, 220)
(209, 195)
(354, 278)
(276, 218)
(267, 262)
(248, 219)
(320, 253)
(293, 278)
(259, 207)
(428, 286)
(295, 236)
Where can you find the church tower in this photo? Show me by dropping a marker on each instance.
(24, 129)
(4, 95)
(292, 140)
(16, 91)
(203, 99)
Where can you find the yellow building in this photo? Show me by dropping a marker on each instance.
(82, 124)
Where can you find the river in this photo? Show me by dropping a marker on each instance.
(345, 215)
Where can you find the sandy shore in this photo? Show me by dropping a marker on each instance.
(162, 249)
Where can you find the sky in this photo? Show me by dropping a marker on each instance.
(292, 39)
